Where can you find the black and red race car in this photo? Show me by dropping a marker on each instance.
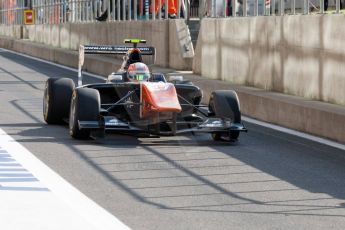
(135, 100)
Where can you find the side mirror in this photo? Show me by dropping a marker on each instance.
(157, 77)
(114, 77)
(175, 78)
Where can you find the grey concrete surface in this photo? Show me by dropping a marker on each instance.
(14, 31)
(314, 117)
(301, 55)
(268, 180)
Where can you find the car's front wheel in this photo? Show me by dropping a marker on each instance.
(56, 99)
(85, 106)
(225, 104)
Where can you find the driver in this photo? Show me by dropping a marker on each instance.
(138, 72)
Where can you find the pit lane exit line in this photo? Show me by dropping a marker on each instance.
(32, 196)
(295, 133)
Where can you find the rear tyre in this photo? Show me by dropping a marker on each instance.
(56, 99)
(225, 104)
(85, 106)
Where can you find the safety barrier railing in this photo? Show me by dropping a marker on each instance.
(235, 8)
(61, 11)
(11, 12)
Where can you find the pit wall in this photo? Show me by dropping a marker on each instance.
(162, 34)
(302, 55)
(13, 31)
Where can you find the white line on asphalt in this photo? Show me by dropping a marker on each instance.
(295, 133)
(261, 123)
(49, 202)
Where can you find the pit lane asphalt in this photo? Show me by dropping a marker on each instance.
(268, 180)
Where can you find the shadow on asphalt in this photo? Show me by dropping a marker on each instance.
(271, 159)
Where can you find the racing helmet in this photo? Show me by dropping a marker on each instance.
(138, 72)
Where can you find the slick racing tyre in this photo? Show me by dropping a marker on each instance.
(56, 99)
(85, 106)
(225, 104)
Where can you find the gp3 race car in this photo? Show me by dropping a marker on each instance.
(136, 101)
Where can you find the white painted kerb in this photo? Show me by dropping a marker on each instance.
(32, 196)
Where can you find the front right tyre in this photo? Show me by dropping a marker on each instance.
(225, 104)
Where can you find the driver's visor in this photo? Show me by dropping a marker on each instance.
(141, 77)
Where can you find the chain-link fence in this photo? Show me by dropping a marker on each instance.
(61, 11)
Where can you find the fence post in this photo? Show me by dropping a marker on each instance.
(80, 6)
(280, 8)
(135, 10)
(107, 4)
(224, 8)
(337, 6)
(154, 9)
(322, 6)
(166, 9)
(256, 6)
(273, 7)
(36, 8)
(187, 4)
(305, 7)
(233, 5)
(118, 10)
(129, 10)
(123, 10)
(179, 8)
(244, 8)
(2, 12)
(293, 7)
(159, 9)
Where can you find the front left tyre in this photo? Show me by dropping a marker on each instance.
(56, 99)
(85, 106)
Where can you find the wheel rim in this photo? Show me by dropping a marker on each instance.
(72, 116)
(46, 102)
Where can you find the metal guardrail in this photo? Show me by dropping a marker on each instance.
(62, 11)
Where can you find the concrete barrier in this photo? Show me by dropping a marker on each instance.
(301, 55)
(14, 31)
(171, 38)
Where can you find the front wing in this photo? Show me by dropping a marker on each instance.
(209, 125)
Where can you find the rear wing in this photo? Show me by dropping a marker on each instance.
(102, 49)
(105, 49)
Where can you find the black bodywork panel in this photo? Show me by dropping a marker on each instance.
(111, 93)
(120, 112)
